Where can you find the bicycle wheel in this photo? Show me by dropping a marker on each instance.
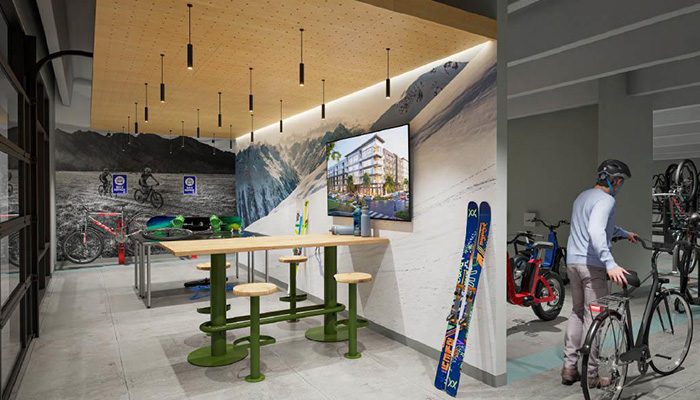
(101, 190)
(670, 331)
(560, 266)
(83, 248)
(550, 310)
(685, 178)
(167, 234)
(606, 341)
(157, 200)
(684, 259)
(138, 195)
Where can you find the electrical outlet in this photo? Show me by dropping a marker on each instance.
(527, 219)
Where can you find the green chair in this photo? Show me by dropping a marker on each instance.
(352, 279)
(293, 297)
(254, 291)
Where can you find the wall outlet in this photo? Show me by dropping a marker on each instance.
(527, 219)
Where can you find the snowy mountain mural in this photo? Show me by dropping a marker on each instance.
(450, 106)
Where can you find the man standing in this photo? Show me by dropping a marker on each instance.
(589, 260)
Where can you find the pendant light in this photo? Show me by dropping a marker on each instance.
(301, 61)
(182, 131)
(230, 137)
(252, 132)
(250, 95)
(388, 81)
(136, 118)
(145, 109)
(170, 141)
(189, 37)
(213, 144)
(323, 99)
(162, 84)
(281, 127)
(123, 131)
(219, 119)
(128, 129)
(198, 123)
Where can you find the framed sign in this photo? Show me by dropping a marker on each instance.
(119, 184)
(189, 185)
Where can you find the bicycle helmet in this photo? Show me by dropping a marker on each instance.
(608, 170)
(147, 170)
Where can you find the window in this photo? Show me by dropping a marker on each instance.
(11, 345)
(8, 110)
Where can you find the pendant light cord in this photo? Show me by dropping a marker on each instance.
(387, 63)
(161, 67)
(251, 80)
(302, 44)
(146, 84)
(189, 17)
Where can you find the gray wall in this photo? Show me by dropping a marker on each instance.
(551, 159)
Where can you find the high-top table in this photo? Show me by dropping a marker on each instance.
(221, 353)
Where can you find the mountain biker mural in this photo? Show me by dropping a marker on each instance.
(155, 187)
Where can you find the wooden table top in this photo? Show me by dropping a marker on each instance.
(183, 248)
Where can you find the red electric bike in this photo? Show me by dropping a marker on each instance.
(540, 288)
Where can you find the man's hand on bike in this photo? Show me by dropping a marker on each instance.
(617, 275)
(632, 237)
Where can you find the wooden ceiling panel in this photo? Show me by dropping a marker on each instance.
(344, 43)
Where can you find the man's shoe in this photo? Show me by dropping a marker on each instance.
(599, 382)
(569, 376)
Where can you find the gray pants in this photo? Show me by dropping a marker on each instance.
(586, 285)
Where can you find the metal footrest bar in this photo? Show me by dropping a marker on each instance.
(207, 310)
(299, 297)
(244, 342)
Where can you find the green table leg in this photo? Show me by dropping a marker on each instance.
(255, 375)
(352, 323)
(293, 290)
(329, 332)
(219, 353)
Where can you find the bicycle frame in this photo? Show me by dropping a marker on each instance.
(525, 297)
(90, 217)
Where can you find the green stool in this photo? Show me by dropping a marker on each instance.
(352, 279)
(254, 291)
(293, 297)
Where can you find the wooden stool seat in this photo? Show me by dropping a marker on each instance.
(293, 259)
(353, 277)
(254, 289)
(206, 266)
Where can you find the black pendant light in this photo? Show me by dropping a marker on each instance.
(123, 131)
(250, 94)
(213, 144)
(182, 131)
(198, 123)
(301, 62)
(230, 137)
(388, 81)
(189, 37)
(145, 109)
(128, 129)
(136, 118)
(162, 84)
(252, 132)
(219, 119)
(323, 99)
(281, 127)
(170, 141)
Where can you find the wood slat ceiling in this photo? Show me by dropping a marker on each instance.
(344, 43)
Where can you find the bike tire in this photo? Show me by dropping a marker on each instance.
(590, 346)
(662, 304)
(686, 170)
(560, 266)
(668, 174)
(157, 200)
(138, 195)
(101, 190)
(678, 260)
(98, 240)
(167, 234)
(557, 284)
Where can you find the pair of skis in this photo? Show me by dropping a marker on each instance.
(450, 363)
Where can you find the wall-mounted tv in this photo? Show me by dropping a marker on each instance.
(373, 169)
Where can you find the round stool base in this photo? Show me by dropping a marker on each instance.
(202, 356)
(352, 356)
(317, 334)
(250, 379)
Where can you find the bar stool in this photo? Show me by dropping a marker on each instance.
(254, 291)
(206, 266)
(293, 297)
(352, 279)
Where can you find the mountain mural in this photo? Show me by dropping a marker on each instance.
(92, 151)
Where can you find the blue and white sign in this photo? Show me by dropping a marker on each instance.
(189, 185)
(119, 184)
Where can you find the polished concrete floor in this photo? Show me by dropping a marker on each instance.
(99, 341)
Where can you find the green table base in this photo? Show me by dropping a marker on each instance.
(352, 357)
(250, 378)
(202, 357)
(319, 334)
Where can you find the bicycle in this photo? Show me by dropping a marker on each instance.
(153, 196)
(540, 288)
(662, 342)
(555, 259)
(686, 254)
(103, 189)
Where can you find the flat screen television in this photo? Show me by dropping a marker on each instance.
(372, 169)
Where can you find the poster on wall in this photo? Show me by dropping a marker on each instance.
(189, 185)
(119, 184)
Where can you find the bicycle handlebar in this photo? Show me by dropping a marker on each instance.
(550, 226)
(648, 245)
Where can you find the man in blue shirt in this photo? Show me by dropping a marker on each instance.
(589, 260)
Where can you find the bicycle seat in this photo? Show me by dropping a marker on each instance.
(543, 245)
(632, 279)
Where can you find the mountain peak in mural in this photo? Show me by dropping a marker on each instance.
(92, 151)
(418, 95)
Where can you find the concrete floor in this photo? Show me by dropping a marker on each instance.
(98, 340)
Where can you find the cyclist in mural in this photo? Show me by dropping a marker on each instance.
(105, 177)
(143, 182)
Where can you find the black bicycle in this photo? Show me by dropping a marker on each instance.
(151, 196)
(662, 342)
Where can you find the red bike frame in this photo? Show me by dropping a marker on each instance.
(527, 297)
(114, 232)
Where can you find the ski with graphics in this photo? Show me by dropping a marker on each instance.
(452, 319)
(468, 297)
